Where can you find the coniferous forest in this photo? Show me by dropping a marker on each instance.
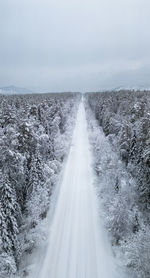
(74, 139)
(35, 134)
(35, 137)
(121, 146)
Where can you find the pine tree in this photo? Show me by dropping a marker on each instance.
(9, 231)
(6, 245)
(36, 186)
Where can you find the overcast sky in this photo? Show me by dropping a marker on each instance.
(77, 45)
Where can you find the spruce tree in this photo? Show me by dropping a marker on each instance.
(9, 231)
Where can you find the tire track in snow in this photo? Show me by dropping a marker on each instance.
(78, 246)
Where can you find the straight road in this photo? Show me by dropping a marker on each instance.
(78, 245)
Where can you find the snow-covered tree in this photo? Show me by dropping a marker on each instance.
(31, 130)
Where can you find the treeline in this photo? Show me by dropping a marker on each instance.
(35, 132)
(124, 117)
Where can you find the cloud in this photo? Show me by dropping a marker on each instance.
(73, 45)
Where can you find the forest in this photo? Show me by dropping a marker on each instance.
(35, 137)
(121, 146)
(35, 134)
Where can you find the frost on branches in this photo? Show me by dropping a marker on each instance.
(35, 133)
(119, 125)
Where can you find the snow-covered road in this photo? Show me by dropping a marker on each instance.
(78, 245)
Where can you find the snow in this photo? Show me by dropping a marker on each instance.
(77, 246)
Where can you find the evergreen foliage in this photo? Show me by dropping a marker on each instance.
(35, 133)
(120, 137)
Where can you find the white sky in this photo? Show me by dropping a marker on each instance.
(77, 45)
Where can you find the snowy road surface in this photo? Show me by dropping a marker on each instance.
(78, 246)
